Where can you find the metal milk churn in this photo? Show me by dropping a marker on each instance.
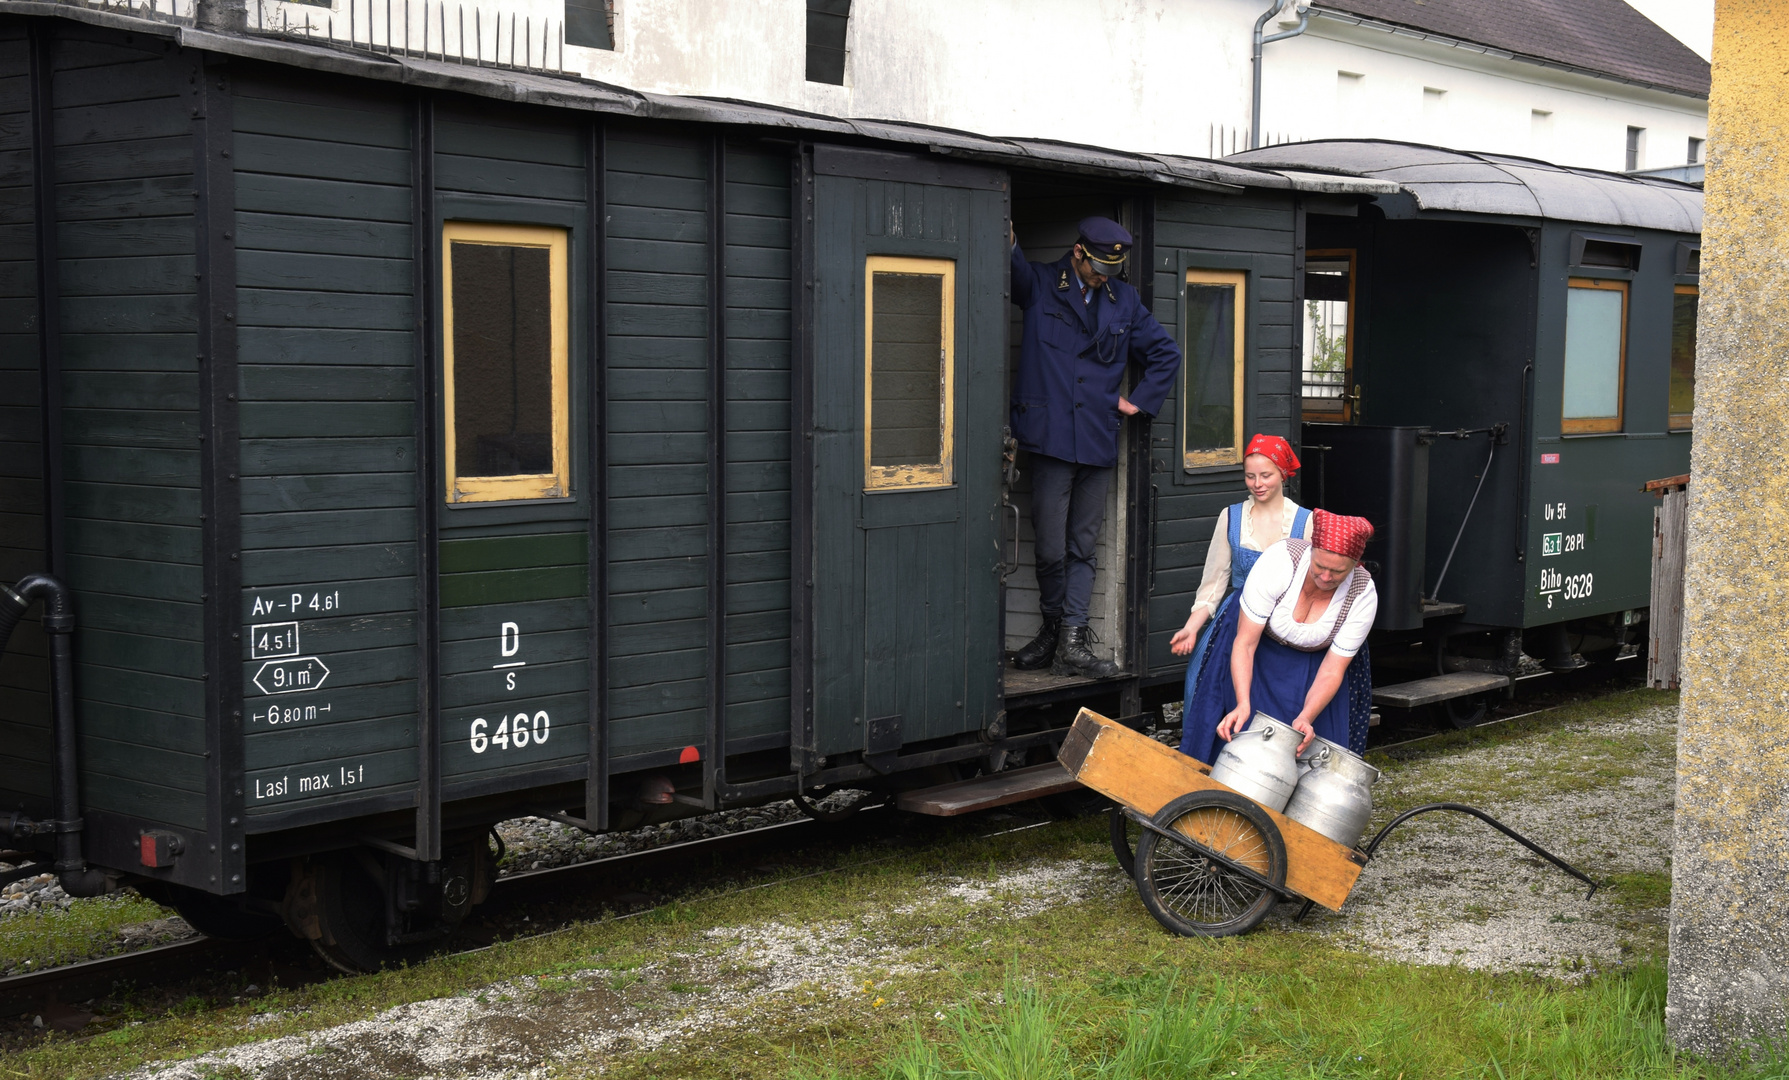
(1260, 762)
(1335, 793)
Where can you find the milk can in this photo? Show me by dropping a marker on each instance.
(1261, 762)
(1334, 794)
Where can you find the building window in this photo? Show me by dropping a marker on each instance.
(827, 23)
(1595, 355)
(506, 390)
(1695, 154)
(1683, 356)
(1214, 361)
(1636, 147)
(590, 23)
(909, 372)
(1328, 334)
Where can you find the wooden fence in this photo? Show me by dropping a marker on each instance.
(1665, 624)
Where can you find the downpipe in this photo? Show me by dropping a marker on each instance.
(72, 872)
(1304, 22)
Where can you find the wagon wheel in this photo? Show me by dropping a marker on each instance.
(1465, 712)
(1124, 840)
(351, 915)
(1198, 896)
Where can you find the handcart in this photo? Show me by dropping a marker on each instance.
(1210, 861)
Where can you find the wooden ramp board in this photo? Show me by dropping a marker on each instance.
(1437, 688)
(1144, 775)
(987, 792)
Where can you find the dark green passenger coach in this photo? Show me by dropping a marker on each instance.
(425, 445)
(1535, 327)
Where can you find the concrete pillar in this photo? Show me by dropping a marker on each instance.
(1730, 871)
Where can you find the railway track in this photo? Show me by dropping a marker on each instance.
(534, 902)
(523, 904)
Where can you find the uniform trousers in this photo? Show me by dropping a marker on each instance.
(1068, 506)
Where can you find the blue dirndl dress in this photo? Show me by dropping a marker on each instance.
(1242, 560)
(1283, 676)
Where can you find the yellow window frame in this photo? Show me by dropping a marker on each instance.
(923, 475)
(1601, 425)
(552, 485)
(1203, 459)
(1681, 421)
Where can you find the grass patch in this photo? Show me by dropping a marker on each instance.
(1640, 892)
(1562, 753)
(85, 929)
(1170, 1026)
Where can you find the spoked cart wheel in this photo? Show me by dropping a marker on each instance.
(1223, 878)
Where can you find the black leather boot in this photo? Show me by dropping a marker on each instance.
(1042, 647)
(1073, 657)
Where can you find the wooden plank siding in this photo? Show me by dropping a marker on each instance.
(326, 316)
(124, 186)
(656, 296)
(1255, 232)
(758, 424)
(24, 668)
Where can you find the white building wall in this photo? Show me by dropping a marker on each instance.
(1171, 74)
(1170, 68)
(1486, 102)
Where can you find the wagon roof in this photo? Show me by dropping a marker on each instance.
(572, 92)
(1501, 184)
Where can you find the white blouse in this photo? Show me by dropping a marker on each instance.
(1271, 592)
(1215, 582)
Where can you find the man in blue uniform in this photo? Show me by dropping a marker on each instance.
(1083, 327)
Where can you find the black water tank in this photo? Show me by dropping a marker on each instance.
(1381, 474)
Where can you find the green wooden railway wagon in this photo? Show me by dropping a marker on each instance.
(425, 444)
(1547, 316)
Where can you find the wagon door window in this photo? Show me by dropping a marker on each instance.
(1213, 407)
(909, 311)
(506, 392)
(1328, 334)
(1683, 356)
(1595, 355)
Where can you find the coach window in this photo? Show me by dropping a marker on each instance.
(506, 385)
(909, 365)
(1328, 335)
(1683, 356)
(1212, 396)
(1595, 355)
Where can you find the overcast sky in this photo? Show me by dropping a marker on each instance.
(1689, 21)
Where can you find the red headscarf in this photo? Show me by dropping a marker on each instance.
(1276, 450)
(1340, 534)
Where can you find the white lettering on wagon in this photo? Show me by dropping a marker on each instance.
(315, 603)
(291, 676)
(272, 639)
(313, 782)
(509, 643)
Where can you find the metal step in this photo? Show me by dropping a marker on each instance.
(986, 792)
(1458, 684)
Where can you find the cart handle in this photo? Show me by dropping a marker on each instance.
(1462, 808)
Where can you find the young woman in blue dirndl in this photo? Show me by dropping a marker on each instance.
(1295, 644)
(1243, 532)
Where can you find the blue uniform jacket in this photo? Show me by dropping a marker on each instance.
(1065, 398)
